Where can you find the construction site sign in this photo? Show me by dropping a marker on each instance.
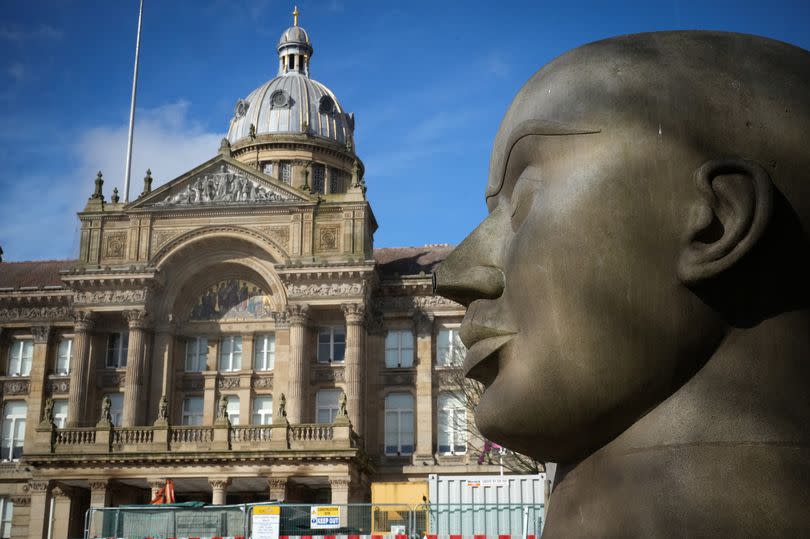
(266, 522)
(324, 517)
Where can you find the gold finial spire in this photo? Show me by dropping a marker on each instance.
(295, 16)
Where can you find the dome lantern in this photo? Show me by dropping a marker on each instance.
(294, 49)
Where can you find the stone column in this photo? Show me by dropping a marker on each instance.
(80, 368)
(38, 517)
(340, 489)
(60, 520)
(100, 496)
(219, 489)
(134, 394)
(277, 488)
(162, 378)
(355, 316)
(21, 515)
(297, 316)
(423, 326)
(154, 486)
(37, 381)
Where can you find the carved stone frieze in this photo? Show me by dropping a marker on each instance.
(325, 289)
(108, 297)
(265, 381)
(228, 382)
(408, 303)
(398, 378)
(16, 387)
(279, 234)
(12, 314)
(328, 237)
(60, 385)
(99, 484)
(115, 244)
(228, 185)
(329, 374)
(219, 483)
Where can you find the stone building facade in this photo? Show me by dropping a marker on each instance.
(234, 330)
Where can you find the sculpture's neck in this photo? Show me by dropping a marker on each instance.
(727, 455)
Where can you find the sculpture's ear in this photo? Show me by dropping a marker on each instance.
(737, 197)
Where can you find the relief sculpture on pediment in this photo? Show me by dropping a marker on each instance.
(227, 186)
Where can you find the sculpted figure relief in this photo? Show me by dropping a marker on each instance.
(637, 298)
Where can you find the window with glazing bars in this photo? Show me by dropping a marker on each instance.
(452, 425)
(196, 354)
(117, 344)
(19, 358)
(318, 178)
(399, 424)
(64, 355)
(13, 429)
(331, 344)
(264, 352)
(399, 348)
(230, 353)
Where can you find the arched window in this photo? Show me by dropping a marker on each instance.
(399, 424)
(452, 425)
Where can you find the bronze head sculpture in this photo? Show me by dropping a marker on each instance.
(638, 295)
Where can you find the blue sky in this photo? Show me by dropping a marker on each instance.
(428, 81)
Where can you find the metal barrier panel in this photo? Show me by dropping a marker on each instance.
(442, 520)
(484, 519)
(163, 522)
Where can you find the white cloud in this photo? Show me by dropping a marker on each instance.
(166, 141)
(38, 209)
(19, 34)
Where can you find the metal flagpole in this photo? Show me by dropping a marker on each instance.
(128, 170)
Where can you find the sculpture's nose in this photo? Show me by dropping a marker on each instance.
(473, 269)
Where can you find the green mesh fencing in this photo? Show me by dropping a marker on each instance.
(161, 522)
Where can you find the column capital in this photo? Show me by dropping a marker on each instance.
(277, 482)
(84, 320)
(41, 334)
(340, 482)
(38, 485)
(21, 500)
(219, 482)
(136, 318)
(281, 319)
(355, 313)
(297, 314)
(61, 491)
(99, 484)
(155, 483)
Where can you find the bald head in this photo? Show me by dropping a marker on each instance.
(722, 94)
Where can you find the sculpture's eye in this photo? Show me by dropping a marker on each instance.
(521, 200)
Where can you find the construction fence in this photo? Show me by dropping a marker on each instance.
(431, 521)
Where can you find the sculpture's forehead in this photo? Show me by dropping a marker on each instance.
(564, 98)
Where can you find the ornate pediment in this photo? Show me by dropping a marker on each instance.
(222, 182)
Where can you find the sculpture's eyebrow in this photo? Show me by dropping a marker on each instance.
(525, 129)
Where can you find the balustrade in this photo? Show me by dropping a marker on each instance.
(251, 433)
(191, 435)
(76, 436)
(311, 432)
(198, 438)
(133, 435)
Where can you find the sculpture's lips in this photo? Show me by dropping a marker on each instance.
(475, 364)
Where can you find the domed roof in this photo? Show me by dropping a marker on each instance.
(292, 103)
(294, 34)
